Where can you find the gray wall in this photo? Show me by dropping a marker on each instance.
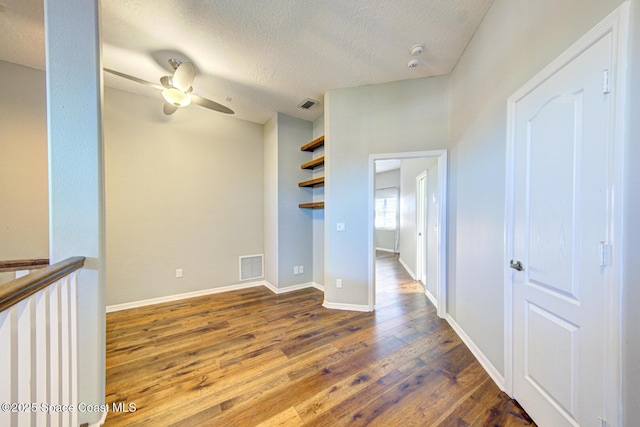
(493, 66)
(386, 239)
(409, 171)
(295, 225)
(410, 115)
(184, 191)
(288, 229)
(24, 219)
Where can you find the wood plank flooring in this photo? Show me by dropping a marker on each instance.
(252, 358)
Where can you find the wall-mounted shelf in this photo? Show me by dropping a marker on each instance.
(311, 165)
(315, 163)
(313, 145)
(314, 205)
(312, 182)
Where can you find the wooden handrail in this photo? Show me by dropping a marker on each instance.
(23, 264)
(16, 290)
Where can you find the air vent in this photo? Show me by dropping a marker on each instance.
(308, 103)
(251, 267)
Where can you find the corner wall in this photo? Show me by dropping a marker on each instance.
(295, 225)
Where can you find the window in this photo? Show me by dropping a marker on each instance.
(386, 208)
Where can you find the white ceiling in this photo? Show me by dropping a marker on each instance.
(387, 165)
(266, 56)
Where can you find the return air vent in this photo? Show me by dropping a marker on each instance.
(251, 267)
(308, 103)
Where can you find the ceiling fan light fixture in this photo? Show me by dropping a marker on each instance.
(176, 97)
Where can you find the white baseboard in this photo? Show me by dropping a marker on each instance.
(495, 375)
(318, 286)
(385, 250)
(431, 297)
(177, 297)
(347, 307)
(142, 303)
(411, 273)
(295, 287)
(270, 287)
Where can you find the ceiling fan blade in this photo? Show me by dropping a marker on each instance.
(184, 75)
(166, 82)
(135, 79)
(207, 103)
(169, 109)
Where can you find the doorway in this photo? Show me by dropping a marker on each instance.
(435, 274)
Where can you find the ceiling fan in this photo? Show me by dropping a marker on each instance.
(177, 89)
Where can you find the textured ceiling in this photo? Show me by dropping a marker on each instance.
(265, 56)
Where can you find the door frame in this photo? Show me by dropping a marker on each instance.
(441, 220)
(617, 25)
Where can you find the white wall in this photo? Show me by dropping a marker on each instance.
(411, 115)
(184, 191)
(386, 239)
(24, 211)
(515, 40)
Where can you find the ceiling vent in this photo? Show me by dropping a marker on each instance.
(308, 104)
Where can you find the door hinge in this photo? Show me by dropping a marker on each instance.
(605, 82)
(603, 254)
(603, 422)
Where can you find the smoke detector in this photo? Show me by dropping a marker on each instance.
(417, 49)
(413, 63)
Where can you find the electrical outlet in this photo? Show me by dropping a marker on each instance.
(178, 272)
(338, 283)
(301, 269)
(296, 270)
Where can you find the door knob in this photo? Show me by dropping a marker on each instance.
(517, 265)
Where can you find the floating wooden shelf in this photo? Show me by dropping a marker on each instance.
(315, 163)
(313, 145)
(312, 182)
(314, 205)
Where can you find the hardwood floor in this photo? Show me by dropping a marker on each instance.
(252, 358)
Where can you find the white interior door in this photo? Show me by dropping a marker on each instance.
(421, 228)
(562, 197)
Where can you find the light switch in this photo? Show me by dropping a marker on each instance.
(340, 226)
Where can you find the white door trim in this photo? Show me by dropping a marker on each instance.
(615, 24)
(441, 219)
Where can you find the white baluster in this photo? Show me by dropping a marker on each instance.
(41, 351)
(6, 365)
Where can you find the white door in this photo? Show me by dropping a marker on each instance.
(421, 228)
(562, 195)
